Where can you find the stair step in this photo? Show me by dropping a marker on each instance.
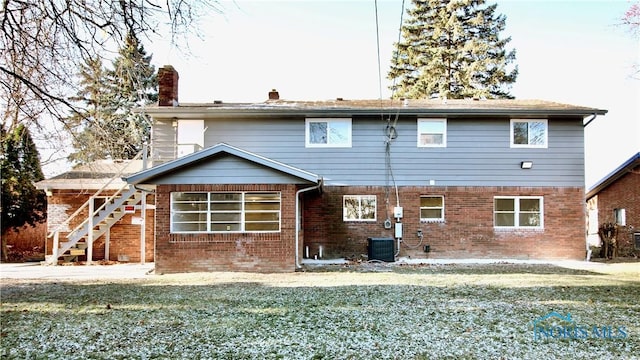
(76, 252)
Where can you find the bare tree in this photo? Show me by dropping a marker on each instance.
(631, 20)
(43, 41)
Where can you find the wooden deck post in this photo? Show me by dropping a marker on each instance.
(107, 238)
(56, 246)
(143, 228)
(90, 232)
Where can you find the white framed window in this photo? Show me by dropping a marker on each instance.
(431, 208)
(328, 132)
(359, 208)
(620, 217)
(219, 212)
(518, 212)
(432, 132)
(529, 133)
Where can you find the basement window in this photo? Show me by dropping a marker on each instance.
(518, 212)
(431, 208)
(221, 212)
(359, 208)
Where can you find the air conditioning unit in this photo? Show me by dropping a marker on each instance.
(381, 249)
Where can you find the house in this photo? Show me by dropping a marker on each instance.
(118, 212)
(616, 200)
(265, 186)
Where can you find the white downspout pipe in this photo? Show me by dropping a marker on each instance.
(297, 257)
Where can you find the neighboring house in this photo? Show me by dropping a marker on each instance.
(118, 210)
(616, 199)
(262, 187)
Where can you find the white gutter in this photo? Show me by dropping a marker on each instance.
(298, 266)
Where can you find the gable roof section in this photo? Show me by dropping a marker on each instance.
(341, 107)
(616, 174)
(185, 163)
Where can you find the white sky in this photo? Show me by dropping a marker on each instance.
(567, 51)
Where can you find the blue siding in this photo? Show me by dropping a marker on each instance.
(227, 170)
(477, 152)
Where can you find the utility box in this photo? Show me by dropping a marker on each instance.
(381, 249)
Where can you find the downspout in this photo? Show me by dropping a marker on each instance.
(318, 186)
(593, 117)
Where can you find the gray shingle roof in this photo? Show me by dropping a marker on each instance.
(372, 107)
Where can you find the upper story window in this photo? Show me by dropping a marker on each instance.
(211, 212)
(529, 133)
(328, 132)
(359, 208)
(518, 212)
(432, 132)
(431, 208)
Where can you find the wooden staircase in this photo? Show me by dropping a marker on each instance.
(76, 243)
(103, 212)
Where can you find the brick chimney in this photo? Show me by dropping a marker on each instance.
(167, 86)
(273, 95)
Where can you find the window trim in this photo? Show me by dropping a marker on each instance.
(620, 216)
(243, 211)
(528, 145)
(360, 198)
(516, 212)
(444, 132)
(329, 121)
(428, 220)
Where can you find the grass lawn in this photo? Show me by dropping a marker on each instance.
(342, 312)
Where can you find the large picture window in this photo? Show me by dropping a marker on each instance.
(328, 133)
(212, 212)
(359, 208)
(529, 133)
(432, 132)
(518, 212)
(431, 208)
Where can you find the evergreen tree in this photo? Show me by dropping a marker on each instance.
(452, 49)
(21, 203)
(92, 140)
(110, 129)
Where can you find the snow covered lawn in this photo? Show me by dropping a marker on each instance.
(340, 312)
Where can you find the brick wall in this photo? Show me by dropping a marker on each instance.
(124, 239)
(467, 231)
(623, 194)
(255, 252)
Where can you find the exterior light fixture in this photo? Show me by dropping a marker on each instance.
(526, 164)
